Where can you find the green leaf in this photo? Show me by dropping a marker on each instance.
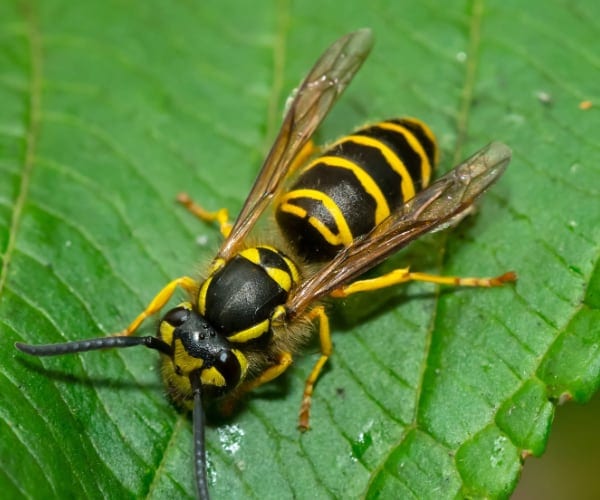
(109, 109)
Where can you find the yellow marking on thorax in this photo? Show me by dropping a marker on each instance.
(272, 249)
(293, 269)
(202, 295)
(281, 277)
(251, 254)
(251, 333)
(215, 266)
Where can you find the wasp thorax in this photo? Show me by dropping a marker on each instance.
(198, 347)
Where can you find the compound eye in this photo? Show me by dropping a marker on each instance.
(177, 316)
(228, 365)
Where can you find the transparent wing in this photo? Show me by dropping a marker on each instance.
(312, 101)
(439, 205)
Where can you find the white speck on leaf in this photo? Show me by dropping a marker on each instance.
(202, 240)
(230, 437)
(498, 451)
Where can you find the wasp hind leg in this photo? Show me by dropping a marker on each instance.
(326, 350)
(159, 301)
(220, 216)
(399, 276)
(308, 150)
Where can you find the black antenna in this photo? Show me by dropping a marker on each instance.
(199, 442)
(94, 344)
(152, 343)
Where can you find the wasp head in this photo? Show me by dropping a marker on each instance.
(197, 349)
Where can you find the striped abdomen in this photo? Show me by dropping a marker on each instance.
(354, 185)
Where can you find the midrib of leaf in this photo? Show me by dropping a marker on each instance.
(33, 127)
(159, 469)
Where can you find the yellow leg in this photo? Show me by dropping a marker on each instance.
(404, 275)
(326, 350)
(220, 216)
(308, 150)
(272, 372)
(159, 301)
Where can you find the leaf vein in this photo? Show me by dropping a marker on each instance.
(33, 127)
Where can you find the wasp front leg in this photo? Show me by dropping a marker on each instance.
(272, 372)
(158, 302)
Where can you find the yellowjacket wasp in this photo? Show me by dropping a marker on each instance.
(339, 214)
